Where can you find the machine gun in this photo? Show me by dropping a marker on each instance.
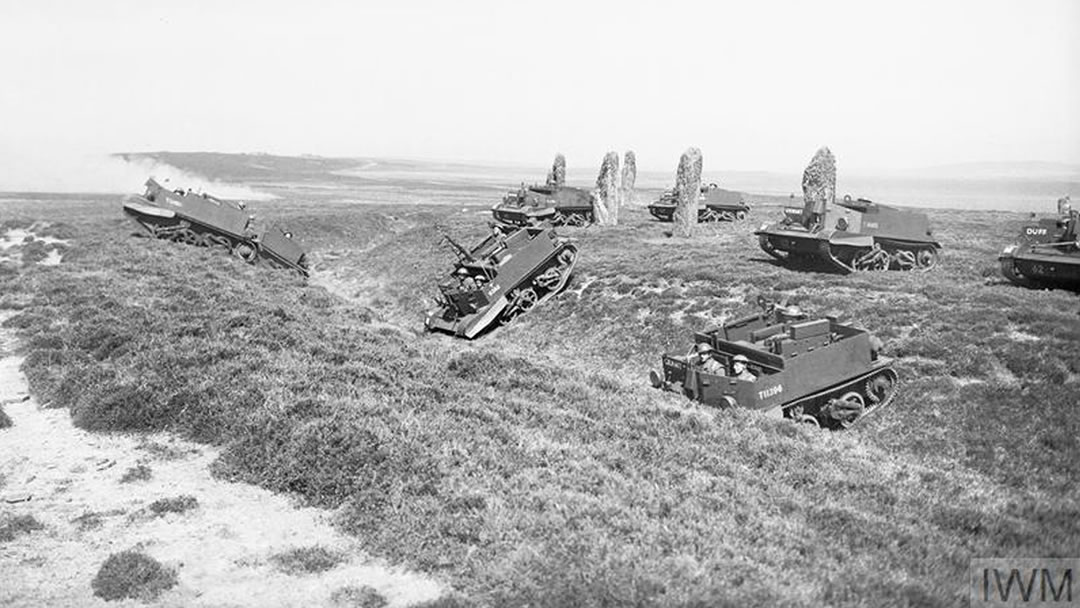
(462, 253)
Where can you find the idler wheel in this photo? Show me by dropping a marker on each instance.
(927, 258)
(566, 258)
(879, 388)
(245, 251)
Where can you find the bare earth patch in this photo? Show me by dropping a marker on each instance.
(222, 551)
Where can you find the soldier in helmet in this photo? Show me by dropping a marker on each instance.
(1064, 207)
(739, 369)
(467, 282)
(706, 360)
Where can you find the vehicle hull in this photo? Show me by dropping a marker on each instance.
(505, 276)
(206, 221)
(858, 236)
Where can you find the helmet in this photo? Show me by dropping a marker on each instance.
(703, 348)
(741, 358)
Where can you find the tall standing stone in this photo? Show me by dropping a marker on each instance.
(687, 191)
(819, 187)
(557, 176)
(607, 191)
(629, 178)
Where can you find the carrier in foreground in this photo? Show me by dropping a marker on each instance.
(814, 370)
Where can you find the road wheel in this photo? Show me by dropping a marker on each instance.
(851, 407)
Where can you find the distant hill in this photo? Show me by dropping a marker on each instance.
(988, 170)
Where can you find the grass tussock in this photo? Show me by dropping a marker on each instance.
(139, 472)
(177, 504)
(132, 575)
(308, 560)
(357, 597)
(536, 467)
(13, 526)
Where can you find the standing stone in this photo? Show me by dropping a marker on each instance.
(557, 176)
(687, 191)
(606, 207)
(629, 178)
(819, 187)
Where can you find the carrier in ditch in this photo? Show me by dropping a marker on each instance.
(512, 271)
(779, 360)
(1047, 253)
(203, 220)
(714, 205)
(538, 204)
(853, 235)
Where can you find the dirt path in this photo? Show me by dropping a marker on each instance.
(221, 550)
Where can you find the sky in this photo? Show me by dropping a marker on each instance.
(755, 85)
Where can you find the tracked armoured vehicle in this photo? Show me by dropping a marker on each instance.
(716, 205)
(1046, 253)
(814, 370)
(207, 221)
(858, 235)
(510, 272)
(537, 204)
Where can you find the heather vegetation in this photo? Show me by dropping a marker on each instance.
(307, 560)
(132, 574)
(13, 526)
(139, 472)
(176, 504)
(536, 466)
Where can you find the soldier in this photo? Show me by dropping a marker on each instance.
(1064, 207)
(706, 360)
(466, 281)
(738, 368)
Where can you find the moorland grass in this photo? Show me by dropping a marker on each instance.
(13, 526)
(536, 467)
(307, 560)
(176, 504)
(139, 472)
(132, 575)
(357, 597)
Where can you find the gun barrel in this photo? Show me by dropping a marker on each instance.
(461, 251)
